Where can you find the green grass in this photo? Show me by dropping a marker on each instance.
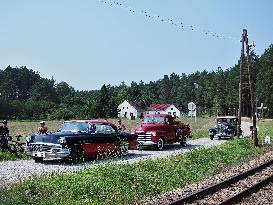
(266, 129)
(124, 184)
(7, 156)
(200, 127)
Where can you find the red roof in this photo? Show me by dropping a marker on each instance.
(159, 115)
(157, 107)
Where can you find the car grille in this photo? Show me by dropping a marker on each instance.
(41, 147)
(144, 137)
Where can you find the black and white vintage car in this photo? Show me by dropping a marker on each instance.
(78, 139)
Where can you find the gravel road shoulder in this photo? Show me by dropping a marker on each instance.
(14, 171)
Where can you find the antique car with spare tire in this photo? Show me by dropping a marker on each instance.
(225, 127)
(79, 139)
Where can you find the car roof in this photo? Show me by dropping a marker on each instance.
(227, 117)
(92, 121)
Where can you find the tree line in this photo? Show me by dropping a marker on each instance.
(24, 94)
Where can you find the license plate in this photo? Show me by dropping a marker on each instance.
(39, 154)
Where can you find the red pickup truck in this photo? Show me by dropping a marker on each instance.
(160, 129)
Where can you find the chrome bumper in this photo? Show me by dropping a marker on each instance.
(146, 143)
(145, 139)
(223, 135)
(47, 150)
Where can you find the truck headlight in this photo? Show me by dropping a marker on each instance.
(62, 140)
(151, 133)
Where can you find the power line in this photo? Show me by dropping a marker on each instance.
(179, 24)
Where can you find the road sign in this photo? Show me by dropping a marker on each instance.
(191, 106)
(192, 113)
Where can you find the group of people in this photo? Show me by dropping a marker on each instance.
(4, 130)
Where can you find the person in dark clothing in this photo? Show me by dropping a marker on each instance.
(4, 129)
(120, 126)
(4, 135)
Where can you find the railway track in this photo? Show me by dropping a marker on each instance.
(233, 189)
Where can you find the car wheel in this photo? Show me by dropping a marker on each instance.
(124, 148)
(183, 142)
(160, 144)
(219, 137)
(38, 159)
(211, 137)
(76, 154)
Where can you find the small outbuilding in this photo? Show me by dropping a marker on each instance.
(129, 110)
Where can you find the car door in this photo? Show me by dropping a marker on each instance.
(169, 127)
(105, 138)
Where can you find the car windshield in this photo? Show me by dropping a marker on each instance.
(154, 119)
(74, 127)
(227, 120)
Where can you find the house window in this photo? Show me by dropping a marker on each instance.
(127, 107)
(123, 108)
(174, 113)
(169, 113)
(171, 108)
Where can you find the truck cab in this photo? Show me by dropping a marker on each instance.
(159, 129)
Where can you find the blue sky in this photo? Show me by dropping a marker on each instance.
(89, 43)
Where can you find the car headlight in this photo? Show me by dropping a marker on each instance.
(62, 140)
(28, 138)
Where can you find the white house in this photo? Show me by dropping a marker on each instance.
(170, 109)
(129, 110)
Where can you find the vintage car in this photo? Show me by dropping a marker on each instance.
(156, 130)
(225, 127)
(76, 140)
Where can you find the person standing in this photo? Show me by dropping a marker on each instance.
(42, 129)
(4, 129)
(4, 135)
(120, 126)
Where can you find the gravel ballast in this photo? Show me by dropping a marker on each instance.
(226, 173)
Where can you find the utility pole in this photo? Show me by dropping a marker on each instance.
(240, 84)
(250, 83)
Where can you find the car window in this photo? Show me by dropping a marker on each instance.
(154, 119)
(74, 126)
(104, 128)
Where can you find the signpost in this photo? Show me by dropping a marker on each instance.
(192, 111)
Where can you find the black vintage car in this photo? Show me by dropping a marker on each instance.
(225, 127)
(76, 140)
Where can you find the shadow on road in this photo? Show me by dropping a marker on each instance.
(145, 153)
